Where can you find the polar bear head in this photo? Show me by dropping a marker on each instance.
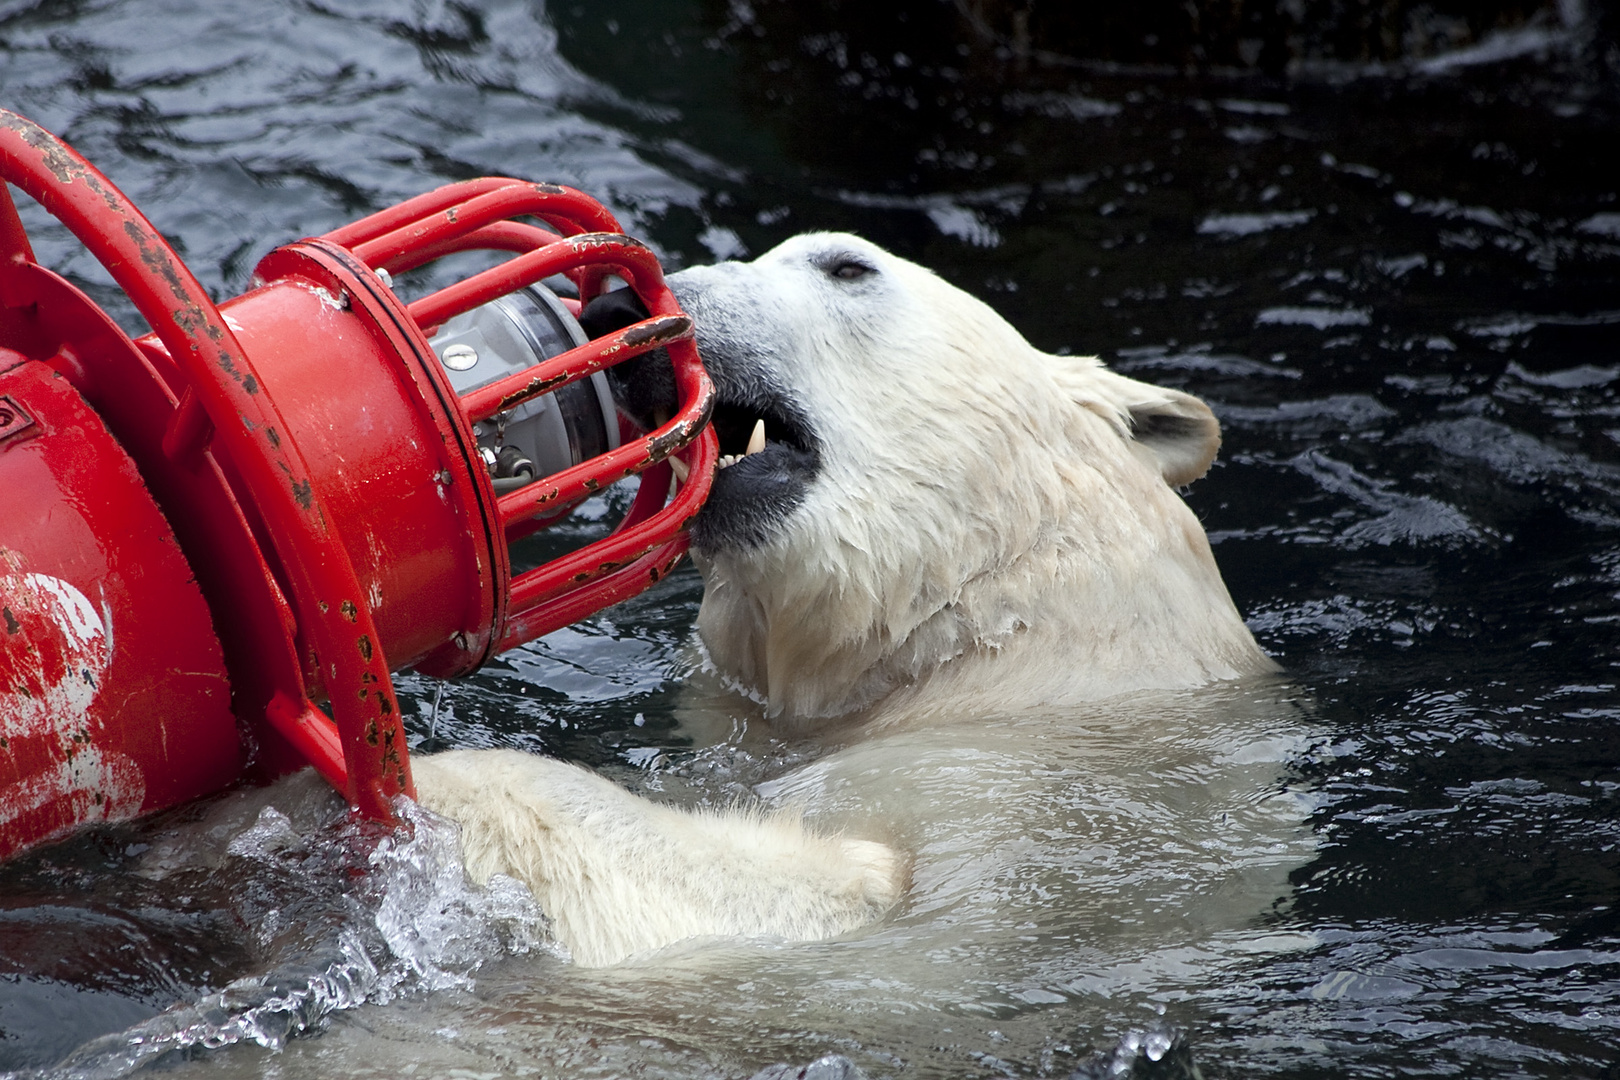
(941, 512)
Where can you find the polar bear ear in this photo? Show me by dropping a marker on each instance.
(1178, 430)
(1181, 432)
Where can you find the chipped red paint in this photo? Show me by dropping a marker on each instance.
(114, 699)
(329, 555)
(576, 364)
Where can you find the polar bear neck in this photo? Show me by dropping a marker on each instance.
(1051, 570)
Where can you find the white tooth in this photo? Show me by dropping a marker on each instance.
(682, 469)
(756, 441)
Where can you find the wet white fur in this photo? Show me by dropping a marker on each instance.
(987, 535)
(619, 875)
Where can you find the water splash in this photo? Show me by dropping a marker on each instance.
(1157, 1053)
(438, 927)
(348, 917)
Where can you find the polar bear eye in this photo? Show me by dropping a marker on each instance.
(845, 268)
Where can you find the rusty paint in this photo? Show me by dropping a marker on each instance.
(228, 363)
(605, 568)
(12, 625)
(192, 314)
(662, 445)
(530, 389)
(597, 239)
(590, 483)
(57, 158)
(189, 317)
(658, 331)
(156, 258)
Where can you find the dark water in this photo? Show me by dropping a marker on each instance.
(1400, 292)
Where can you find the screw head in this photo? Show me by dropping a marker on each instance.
(459, 357)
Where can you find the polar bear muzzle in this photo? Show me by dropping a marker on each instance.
(759, 483)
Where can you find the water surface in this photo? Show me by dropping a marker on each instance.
(1399, 293)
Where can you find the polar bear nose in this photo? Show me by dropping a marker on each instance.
(643, 386)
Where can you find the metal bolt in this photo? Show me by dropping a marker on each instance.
(459, 357)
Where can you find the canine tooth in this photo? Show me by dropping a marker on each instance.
(756, 441)
(681, 468)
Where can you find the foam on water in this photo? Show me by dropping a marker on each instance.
(403, 918)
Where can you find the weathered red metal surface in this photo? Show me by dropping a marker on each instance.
(112, 686)
(319, 471)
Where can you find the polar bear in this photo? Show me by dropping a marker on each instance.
(942, 522)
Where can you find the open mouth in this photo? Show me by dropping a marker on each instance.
(746, 431)
(768, 457)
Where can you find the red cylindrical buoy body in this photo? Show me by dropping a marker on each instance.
(112, 683)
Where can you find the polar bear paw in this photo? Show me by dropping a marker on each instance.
(619, 875)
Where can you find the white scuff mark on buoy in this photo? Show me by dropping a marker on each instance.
(50, 700)
(338, 302)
